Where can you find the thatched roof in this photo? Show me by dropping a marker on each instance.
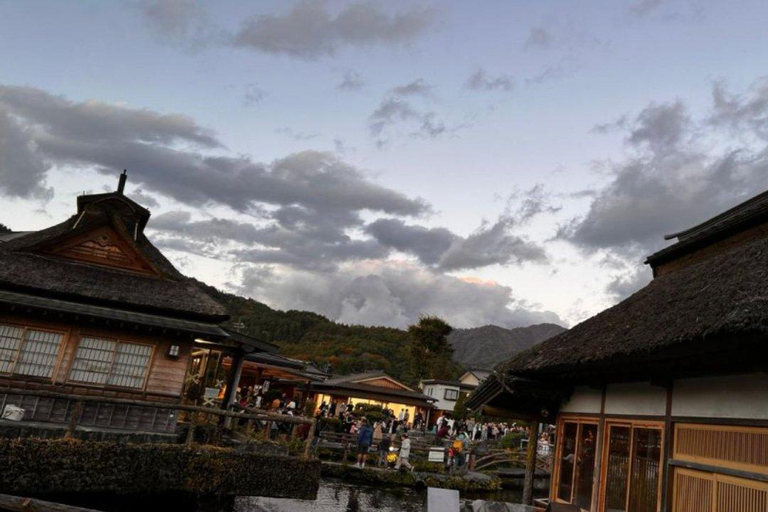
(23, 267)
(741, 217)
(716, 303)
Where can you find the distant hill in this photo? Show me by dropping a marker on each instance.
(344, 349)
(485, 347)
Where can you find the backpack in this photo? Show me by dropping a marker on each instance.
(457, 445)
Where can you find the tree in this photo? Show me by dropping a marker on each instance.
(4, 228)
(429, 350)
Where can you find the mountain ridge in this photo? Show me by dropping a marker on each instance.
(486, 346)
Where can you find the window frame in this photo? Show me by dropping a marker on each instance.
(445, 394)
(64, 333)
(632, 424)
(555, 481)
(118, 342)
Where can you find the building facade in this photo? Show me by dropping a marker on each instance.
(90, 307)
(661, 402)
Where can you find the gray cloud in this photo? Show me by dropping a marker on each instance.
(482, 81)
(310, 31)
(539, 38)
(394, 294)
(23, 169)
(298, 136)
(178, 22)
(351, 81)
(161, 152)
(399, 107)
(673, 176)
(743, 114)
(428, 244)
(253, 94)
(491, 244)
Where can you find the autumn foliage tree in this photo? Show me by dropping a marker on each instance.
(430, 352)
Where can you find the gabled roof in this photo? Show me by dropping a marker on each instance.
(480, 375)
(27, 265)
(367, 377)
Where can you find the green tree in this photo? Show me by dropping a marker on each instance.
(4, 228)
(429, 350)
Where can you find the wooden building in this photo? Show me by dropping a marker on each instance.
(372, 388)
(89, 306)
(661, 402)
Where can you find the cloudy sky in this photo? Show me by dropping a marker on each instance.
(498, 162)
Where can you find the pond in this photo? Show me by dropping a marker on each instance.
(338, 496)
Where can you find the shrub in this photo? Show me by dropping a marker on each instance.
(512, 440)
(332, 424)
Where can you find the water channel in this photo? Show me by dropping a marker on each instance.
(338, 496)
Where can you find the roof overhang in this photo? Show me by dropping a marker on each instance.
(518, 398)
(16, 300)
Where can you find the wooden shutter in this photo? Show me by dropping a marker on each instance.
(699, 491)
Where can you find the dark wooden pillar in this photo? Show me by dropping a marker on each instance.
(233, 379)
(530, 463)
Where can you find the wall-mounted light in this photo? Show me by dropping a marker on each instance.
(173, 351)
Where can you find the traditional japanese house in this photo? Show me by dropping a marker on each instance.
(90, 307)
(661, 402)
(373, 388)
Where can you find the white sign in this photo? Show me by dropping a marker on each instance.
(436, 454)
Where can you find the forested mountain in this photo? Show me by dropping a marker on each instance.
(344, 349)
(485, 347)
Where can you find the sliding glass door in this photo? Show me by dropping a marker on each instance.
(576, 462)
(632, 468)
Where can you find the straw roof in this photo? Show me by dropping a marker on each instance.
(24, 267)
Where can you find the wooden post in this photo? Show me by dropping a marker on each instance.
(191, 432)
(232, 383)
(77, 411)
(310, 438)
(530, 463)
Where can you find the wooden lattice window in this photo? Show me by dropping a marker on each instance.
(111, 363)
(700, 491)
(743, 448)
(30, 352)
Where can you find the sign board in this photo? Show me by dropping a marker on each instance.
(436, 454)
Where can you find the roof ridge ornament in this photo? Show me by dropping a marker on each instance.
(121, 182)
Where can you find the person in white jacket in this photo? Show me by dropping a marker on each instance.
(405, 452)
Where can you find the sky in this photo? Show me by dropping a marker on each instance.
(503, 162)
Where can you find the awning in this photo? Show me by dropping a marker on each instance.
(16, 299)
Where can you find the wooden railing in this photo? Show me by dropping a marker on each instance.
(76, 411)
(513, 458)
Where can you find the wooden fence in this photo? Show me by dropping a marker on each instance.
(127, 415)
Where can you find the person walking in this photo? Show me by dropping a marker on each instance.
(383, 446)
(364, 440)
(405, 452)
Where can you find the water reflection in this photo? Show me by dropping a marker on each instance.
(336, 496)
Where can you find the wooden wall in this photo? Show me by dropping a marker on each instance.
(165, 379)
